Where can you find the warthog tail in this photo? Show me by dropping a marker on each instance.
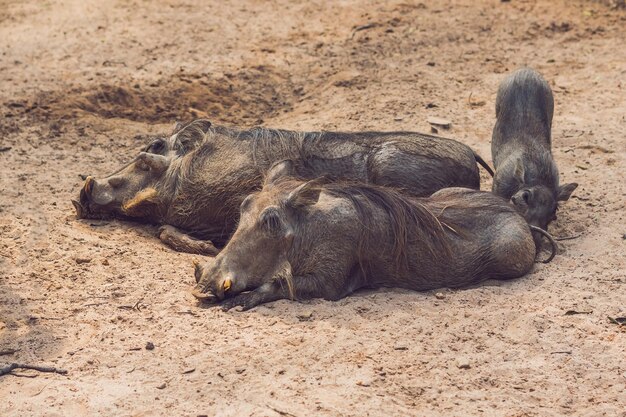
(547, 236)
(482, 163)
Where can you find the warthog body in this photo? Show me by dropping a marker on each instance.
(304, 240)
(521, 148)
(196, 179)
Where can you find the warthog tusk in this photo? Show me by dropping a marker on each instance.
(204, 296)
(79, 209)
(88, 187)
(145, 195)
(550, 239)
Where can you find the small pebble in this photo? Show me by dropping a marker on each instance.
(149, 346)
(439, 122)
(305, 316)
(440, 296)
(163, 385)
(82, 260)
(463, 363)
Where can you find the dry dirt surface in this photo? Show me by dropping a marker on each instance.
(84, 82)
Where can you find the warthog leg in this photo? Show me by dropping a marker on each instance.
(182, 242)
(304, 287)
(266, 293)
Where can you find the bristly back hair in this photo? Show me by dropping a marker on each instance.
(410, 220)
(407, 216)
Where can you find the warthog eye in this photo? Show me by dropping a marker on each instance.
(526, 196)
(156, 147)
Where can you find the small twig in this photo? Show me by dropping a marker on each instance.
(574, 312)
(595, 148)
(110, 63)
(93, 304)
(41, 390)
(474, 103)
(135, 306)
(8, 369)
(8, 352)
(5, 148)
(567, 352)
(281, 412)
(568, 237)
(362, 27)
(365, 27)
(23, 375)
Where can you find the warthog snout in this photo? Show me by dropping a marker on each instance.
(85, 192)
(207, 295)
(210, 286)
(93, 194)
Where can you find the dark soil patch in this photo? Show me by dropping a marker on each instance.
(245, 97)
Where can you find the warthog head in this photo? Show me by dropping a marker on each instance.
(539, 204)
(131, 191)
(257, 251)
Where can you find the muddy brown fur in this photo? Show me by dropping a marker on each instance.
(526, 173)
(197, 178)
(301, 240)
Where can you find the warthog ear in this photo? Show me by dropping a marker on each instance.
(306, 194)
(518, 173)
(157, 163)
(279, 170)
(177, 127)
(565, 191)
(189, 136)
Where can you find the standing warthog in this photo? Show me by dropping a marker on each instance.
(195, 180)
(521, 148)
(302, 240)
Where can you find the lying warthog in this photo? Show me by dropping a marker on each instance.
(521, 148)
(196, 179)
(302, 240)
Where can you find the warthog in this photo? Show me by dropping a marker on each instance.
(302, 240)
(194, 181)
(521, 148)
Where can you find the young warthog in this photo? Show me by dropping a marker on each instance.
(196, 179)
(521, 148)
(302, 240)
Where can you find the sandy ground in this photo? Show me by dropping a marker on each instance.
(83, 83)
